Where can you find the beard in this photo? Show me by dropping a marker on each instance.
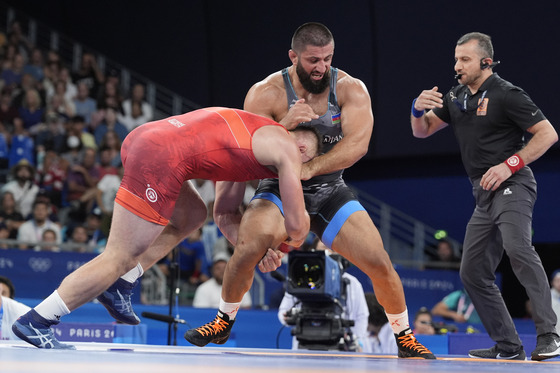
(310, 85)
(22, 179)
(472, 79)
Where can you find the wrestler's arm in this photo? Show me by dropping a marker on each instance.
(357, 126)
(227, 214)
(262, 98)
(273, 146)
(268, 98)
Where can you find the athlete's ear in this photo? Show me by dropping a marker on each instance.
(293, 56)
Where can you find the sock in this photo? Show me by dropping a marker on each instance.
(134, 274)
(52, 308)
(398, 322)
(229, 309)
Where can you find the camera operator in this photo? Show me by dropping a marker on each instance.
(356, 309)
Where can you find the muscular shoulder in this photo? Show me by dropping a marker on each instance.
(267, 97)
(350, 88)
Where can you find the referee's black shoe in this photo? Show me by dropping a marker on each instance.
(496, 353)
(548, 346)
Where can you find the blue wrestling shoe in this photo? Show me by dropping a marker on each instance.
(36, 330)
(117, 300)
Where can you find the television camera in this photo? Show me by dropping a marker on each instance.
(315, 279)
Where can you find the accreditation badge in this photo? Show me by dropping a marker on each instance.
(482, 107)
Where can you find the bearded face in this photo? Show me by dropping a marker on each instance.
(312, 85)
(23, 175)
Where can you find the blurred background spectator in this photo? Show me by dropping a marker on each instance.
(11, 309)
(22, 187)
(423, 323)
(381, 337)
(555, 292)
(457, 306)
(208, 294)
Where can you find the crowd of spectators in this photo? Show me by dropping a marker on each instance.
(60, 137)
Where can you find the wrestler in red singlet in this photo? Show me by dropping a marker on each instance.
(212, 143)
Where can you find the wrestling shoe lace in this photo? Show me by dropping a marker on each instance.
(217, 331)
(118, 301)
(410, 347)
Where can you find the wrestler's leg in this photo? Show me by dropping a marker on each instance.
(262, 227)
(359, 241)
(133, 239)
(189, 214)
(129, 237)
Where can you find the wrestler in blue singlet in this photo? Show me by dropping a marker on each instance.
(329, 201)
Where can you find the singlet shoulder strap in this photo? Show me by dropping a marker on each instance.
(332, 94)
(290, 92)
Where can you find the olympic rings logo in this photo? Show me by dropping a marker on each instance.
(40, 264)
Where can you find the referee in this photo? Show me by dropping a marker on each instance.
(490, 117)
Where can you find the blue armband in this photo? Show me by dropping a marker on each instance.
(416, 113)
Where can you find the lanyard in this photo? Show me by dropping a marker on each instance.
(479, 102)
(1, 317)
(462, 302)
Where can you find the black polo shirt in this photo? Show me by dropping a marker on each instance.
(490, 124)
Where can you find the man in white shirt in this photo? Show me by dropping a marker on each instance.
(32, 230)
(208, 294)
(22, 187)
(10, 309)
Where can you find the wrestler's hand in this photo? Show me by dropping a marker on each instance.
(307, 171)
(271, 260)
(299, 113)
(495, 176)
(429, 99)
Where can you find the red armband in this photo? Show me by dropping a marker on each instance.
(515, 163)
